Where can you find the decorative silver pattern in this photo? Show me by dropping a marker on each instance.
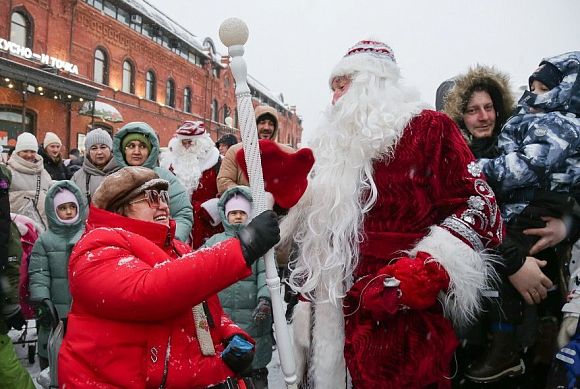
(474, 169)
(464, 230)
(476, 202)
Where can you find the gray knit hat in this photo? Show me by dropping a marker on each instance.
(98, 136)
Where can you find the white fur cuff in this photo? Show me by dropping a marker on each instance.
(470, 273)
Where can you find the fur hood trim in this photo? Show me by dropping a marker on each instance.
(488, 78)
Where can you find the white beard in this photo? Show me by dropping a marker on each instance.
(187, 168)
(363, 126)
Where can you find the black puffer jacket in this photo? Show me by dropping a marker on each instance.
(56, 169)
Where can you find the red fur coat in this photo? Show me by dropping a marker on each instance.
(436, 215)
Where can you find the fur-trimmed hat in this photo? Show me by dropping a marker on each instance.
(190, 129)
(51, 138)
(26, 141)
(98, 136)
(124, 185)
(368, 56)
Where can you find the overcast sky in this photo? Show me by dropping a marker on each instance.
(294, 44)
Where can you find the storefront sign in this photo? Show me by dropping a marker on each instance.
(46, 59)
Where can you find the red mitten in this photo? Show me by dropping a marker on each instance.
(285, 174)
(421, 281)
(381, 302)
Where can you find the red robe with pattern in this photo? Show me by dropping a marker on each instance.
(433, 202)
(132, 298)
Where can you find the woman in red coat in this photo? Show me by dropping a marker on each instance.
(144, 311)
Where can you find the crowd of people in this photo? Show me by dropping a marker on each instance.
(426, 249)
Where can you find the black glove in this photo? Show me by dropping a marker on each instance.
(259, 236)
(239, 354)
(16, 319)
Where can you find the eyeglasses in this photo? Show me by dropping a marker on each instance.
(136, 145)
(154, 198)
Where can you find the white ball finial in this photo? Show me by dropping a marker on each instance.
(233, 31)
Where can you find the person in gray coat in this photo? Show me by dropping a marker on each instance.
(98, 162)
(66, 211)
(246, 302)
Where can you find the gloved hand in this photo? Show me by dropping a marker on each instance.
(421, 280)
(238, 354)
(259, 236)
(263, 310)
(13, 316)
(410, 282)
(567, 328)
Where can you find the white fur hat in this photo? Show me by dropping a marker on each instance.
(51, 138)
(26, 141)
(368, 56)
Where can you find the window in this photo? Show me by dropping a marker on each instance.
(214, 110)
(170, 93)
(110, 9)
(150, 86)
(11, 124)
(226, 113)
(128, 77)
(123, 16)
(101, 67)
(20, 30)
(187, 100)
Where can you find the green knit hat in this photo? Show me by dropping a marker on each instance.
(136, 136)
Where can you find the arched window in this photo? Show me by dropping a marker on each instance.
(187, 100)
(20, 29)
(150, 86)
(101, 67)
(226, 113)
(170, 93)
(214, 110)
(128, 77)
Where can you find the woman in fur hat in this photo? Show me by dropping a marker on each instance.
(140, 317)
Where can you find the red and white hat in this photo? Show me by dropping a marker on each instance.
(190, 130)
(368, 56)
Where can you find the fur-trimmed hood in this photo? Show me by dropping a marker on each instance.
(495, 82)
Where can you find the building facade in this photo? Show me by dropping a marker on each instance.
(67, 66)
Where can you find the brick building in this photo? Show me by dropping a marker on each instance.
(69, 65)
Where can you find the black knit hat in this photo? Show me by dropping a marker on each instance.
(227, 139)
(547, 74)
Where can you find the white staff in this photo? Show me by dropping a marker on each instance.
(234, 34)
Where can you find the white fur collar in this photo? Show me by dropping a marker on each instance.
(211, 158)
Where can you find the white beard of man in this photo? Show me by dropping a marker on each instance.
(186, 166)
(363, 126)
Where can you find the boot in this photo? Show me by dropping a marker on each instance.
(501, 360)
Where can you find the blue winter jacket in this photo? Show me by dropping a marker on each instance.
(540, 150)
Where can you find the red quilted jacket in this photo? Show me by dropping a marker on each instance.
(131, 322)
